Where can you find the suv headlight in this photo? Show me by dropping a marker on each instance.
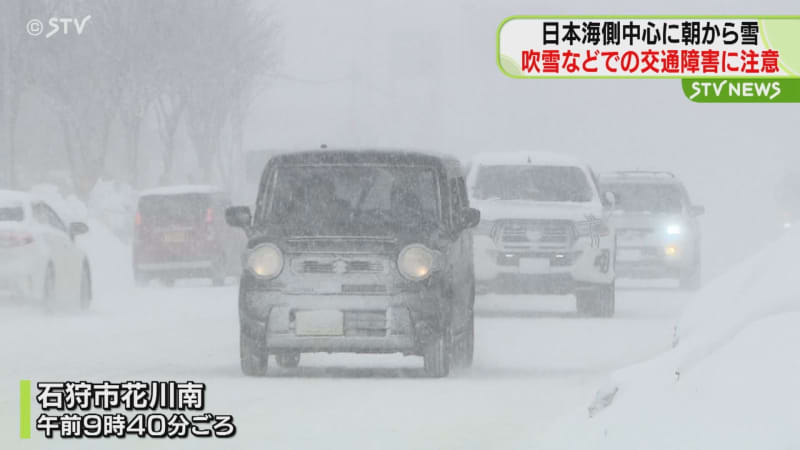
(593, 227)
(265, 261)
(674, 230)
(416, 262)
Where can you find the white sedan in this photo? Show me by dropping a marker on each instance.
(39, 259)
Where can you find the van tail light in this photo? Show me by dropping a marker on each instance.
(138, 219)
(209, 224)
(9, 239)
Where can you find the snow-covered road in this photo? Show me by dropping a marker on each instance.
(535, 360)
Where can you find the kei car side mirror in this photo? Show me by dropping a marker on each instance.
(470, 217)
(239, 216)
(78, 228)
(697, 210)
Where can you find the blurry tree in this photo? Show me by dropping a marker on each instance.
(79, 74)
(134, 49)
(238, 44)
(198, 60)
(15, 74)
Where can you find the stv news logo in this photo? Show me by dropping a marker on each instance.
(57, 25)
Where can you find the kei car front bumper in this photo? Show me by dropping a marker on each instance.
(393, 323)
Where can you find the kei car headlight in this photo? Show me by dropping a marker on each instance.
(416, 262)
(265, 261)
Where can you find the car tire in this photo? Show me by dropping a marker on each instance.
(288, 360)
(219, 272)
(49, 289)
(598, 301)
(469, 343)
(86, 288)
(254, 358)
(437, 356)
(466, 347)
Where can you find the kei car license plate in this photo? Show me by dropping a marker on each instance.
(534, 265)
(319, 323)
(174, 236)
(629, 254)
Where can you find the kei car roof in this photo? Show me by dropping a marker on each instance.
(371, 156)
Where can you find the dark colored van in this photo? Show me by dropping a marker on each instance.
(358, 251)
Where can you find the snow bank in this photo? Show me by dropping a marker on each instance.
(68, 207)
(109, 258)
(114, 204)
(731, 381)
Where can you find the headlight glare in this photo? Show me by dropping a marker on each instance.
(674, 230)
(265, 261)
(415, 262)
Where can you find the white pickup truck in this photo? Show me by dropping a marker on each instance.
(543, 229)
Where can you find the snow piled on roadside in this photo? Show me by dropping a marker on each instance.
(114, 204)
(731, 381)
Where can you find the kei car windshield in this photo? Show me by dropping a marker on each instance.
(353, 200)
(538, 183)
(647, 197)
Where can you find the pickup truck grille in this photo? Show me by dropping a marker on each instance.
(533, 234)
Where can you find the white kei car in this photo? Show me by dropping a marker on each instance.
(39, 259)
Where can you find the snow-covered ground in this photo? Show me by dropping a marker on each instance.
(731, 381)
(535, 363)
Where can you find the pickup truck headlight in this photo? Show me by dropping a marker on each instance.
(265, 261)
(416, 262)
(591, 228)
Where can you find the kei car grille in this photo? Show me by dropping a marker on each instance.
(527, 234)
(339, 266)
(365, 323)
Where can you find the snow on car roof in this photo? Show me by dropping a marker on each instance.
(364, 155)
(524, 157)
(182, 189)
(14, 197)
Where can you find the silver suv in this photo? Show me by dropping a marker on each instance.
(658, 234)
